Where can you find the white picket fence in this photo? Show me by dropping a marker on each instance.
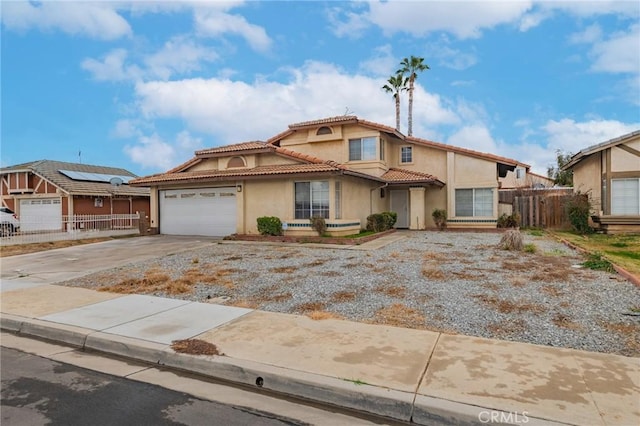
(73, 227)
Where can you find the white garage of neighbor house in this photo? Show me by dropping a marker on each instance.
(198, 211)
(40, 214)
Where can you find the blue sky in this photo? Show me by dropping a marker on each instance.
(143, 84)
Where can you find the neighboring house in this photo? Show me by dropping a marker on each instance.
(41, 192)
(522, 177)
(609, 173)
(341, 168)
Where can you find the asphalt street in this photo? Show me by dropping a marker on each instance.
(39, 391)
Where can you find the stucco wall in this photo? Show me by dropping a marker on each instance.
(623, 161)
(587, 175)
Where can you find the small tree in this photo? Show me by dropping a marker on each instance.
(559, 176)
(578, 209)
(440, 218)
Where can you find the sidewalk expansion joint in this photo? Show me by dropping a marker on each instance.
(424, 373)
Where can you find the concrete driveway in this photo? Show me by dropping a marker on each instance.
(48, 267)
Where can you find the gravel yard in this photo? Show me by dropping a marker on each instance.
(444, 281)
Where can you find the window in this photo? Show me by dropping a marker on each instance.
(474, 202)
(519, 173)
(312, 199)
(338, 200)
(625, 196)
(235, 162)
(406, 154)
(381, 149)
(324, 130)
(362, 149)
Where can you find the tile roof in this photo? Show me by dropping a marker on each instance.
(599, 147)
(273, 170)
(470, 152)
(306, 157)
(405, 176)
(49, 170)
(329, 120)
(243, 146)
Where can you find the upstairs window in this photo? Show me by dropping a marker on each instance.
(324, 130)
(235, 162)
(362, 149)
(519, 173)
(406, 154)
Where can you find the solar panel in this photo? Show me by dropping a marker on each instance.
(94, 177)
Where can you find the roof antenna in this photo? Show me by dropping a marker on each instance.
(347, 111)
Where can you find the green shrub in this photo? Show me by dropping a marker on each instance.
(379, 222)
(578, 208)
(597, 262)
(389, 219)
(318, 224)
(509, 221)
(530, 248)
(269, 225)
(440, 218)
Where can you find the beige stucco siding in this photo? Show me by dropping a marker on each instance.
(587, 175)
(206, 164)
(265, 198)
(273, 159)
(624, 161)
(425, 160)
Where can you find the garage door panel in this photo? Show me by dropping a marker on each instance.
(205, 211)
(42, 214)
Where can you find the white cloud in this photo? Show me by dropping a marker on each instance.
(457, 83)
(112, 67)
(186, 142)
(465, 20)
(152, 152)
(179, 55)
(213, 23)
(382, 63)
(93, 19)
(589, 35)
(476, 137)
(585, 9)
(570, 136)
(619, 54)
(235, 111)
(348, 23)
(449, 57)
(125, 128)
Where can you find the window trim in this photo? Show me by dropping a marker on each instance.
(373, 139)
(474, 201)
(325, 213)
(616, 212)
(410, 148)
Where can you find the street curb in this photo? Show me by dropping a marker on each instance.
(408, 407)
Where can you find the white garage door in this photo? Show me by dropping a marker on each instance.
(204, 211)
(42, 214)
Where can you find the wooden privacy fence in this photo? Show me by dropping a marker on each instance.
(542, 211)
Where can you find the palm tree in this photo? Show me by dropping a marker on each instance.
(396, 84)
(410, 67)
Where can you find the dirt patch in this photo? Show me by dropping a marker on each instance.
(400, 315)
(310, 306)
(323, 315)
(343, 296)
(432, 272)
(508, 306)
(18, 249)
(195, 347)
(563, 321)
(392, 291)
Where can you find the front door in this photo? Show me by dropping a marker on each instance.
(400, 205)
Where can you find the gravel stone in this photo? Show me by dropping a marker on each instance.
(456, 282)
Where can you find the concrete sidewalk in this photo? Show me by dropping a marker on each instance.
(410, 375)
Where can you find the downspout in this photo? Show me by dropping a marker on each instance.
(371, 196)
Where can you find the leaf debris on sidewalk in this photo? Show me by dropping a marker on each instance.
(195, 347)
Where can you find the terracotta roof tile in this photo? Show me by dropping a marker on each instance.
(329, 120)
(399, 175)
(282, 169)
(243, 146)
(471, 152)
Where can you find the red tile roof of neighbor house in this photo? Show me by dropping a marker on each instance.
(406, 176)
